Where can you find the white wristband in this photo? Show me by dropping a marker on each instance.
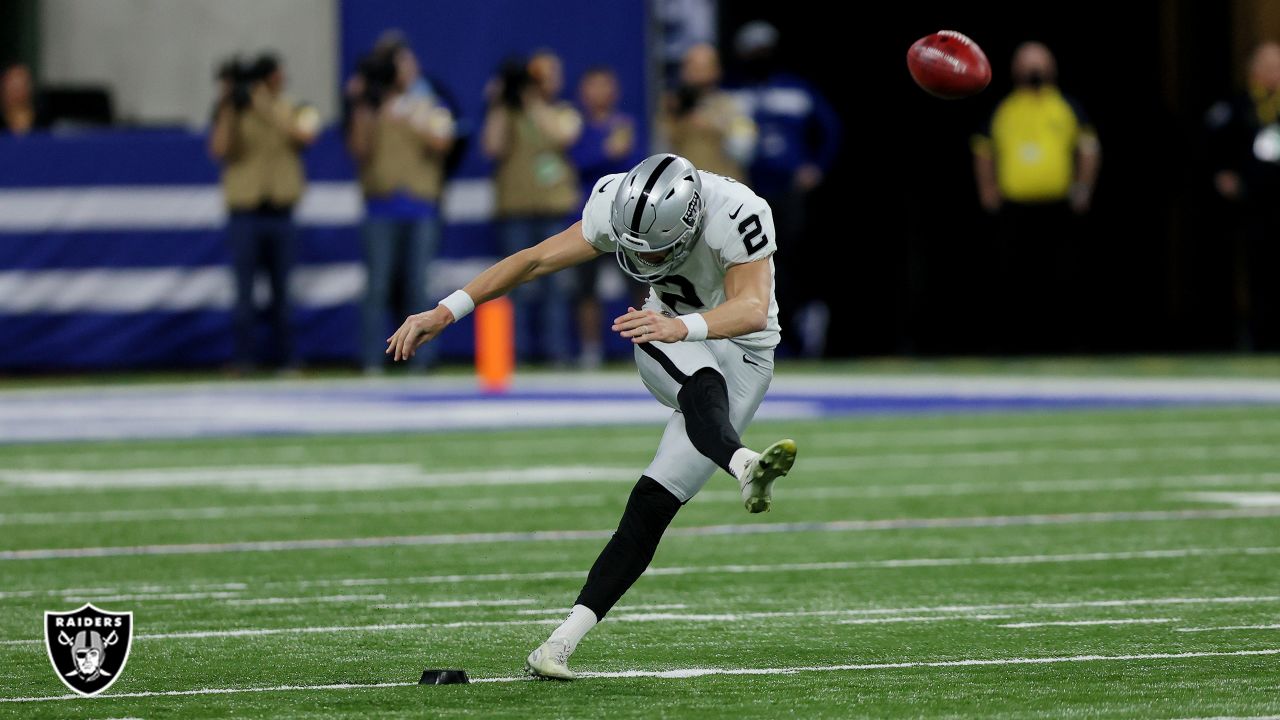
(697, 326)
(460, 304)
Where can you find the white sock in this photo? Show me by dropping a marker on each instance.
(739, 461)
(580, 620)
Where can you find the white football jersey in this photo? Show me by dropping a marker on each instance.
(738, 229)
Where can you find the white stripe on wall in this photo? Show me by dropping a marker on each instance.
(199, 207)
(165, 289)
(179, 289)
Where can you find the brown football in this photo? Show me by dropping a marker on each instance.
(949, 65)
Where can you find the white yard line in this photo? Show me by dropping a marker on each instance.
(1083, 623)
(960, 436)
(145, 597)
(1229, 627)
(994, 521)
(525, 445)
(863, 616)
(455, 604)
(233, 513)
(1047, 456)
(619, 608)
(306, 600)
(686, 673)
(267, 478)
(915, 619)
(579, 574)
(310, 477)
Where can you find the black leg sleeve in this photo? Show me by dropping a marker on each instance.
(704, 400)
(622, 562)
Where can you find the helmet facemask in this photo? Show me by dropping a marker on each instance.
(631, 250)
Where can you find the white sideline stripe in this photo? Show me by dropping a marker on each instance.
(1230, 627)
(994, 521)
(506, 502)
(193, 207)
(174, 289)
(898, 563)
(456, 604)
(1074, 623)
(686, 673)
(312, 477)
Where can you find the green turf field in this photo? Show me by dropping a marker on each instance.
(1036, 523)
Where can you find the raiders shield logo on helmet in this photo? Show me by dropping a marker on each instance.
(88, 647)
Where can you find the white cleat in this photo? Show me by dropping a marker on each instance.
(550, 661)
(758, 475)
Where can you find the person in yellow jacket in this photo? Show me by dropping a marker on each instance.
(258, 136)
(1036, 165)
(400, 134)
(528, 133)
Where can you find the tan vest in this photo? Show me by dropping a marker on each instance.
(535, 177)
(400, 159)
(264, 164)
(704, 144)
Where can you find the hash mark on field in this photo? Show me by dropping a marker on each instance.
(688, 673)
(1074, 623)
(993, 521)
(1229, 627)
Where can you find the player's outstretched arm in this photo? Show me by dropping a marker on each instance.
(557, 252)
(745, 310)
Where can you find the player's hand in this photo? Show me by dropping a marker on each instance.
(643, 326)
(416, 330)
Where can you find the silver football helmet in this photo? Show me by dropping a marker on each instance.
(657, 216)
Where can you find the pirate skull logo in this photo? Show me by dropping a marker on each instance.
(88, 647)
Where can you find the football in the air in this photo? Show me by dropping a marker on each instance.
(948, 65)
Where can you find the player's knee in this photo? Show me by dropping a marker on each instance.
(703, 385)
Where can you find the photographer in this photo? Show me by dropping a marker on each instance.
(258, 136)
(528, 132)
(400, 134)
(704, 123)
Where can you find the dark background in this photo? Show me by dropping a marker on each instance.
(911, 253)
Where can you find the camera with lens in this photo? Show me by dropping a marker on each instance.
(515, 79)
(242, 76)
(378, 71)
(687, 98)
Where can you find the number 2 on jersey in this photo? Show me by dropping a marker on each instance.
(750, 228)
(686, 294)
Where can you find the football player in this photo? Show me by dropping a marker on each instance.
(704, 345)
